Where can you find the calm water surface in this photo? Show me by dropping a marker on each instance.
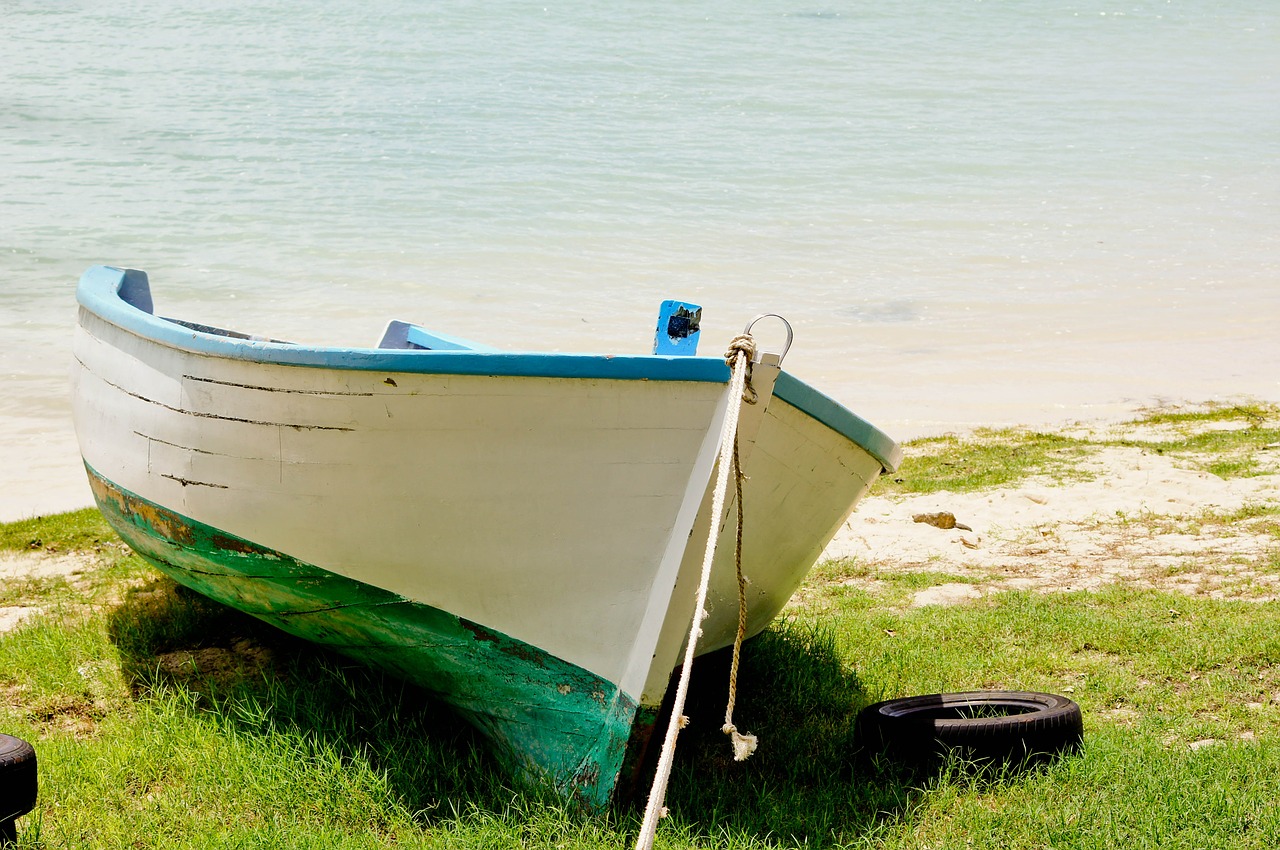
(971, 211)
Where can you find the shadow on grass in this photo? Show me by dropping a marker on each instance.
(808, 782)
(804, 783)
(260, 682)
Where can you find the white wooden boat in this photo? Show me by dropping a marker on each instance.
(518, 532)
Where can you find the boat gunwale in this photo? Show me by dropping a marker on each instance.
(122, 297)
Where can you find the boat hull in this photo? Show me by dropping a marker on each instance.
(518, 533)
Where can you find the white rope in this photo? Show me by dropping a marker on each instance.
(656, 807)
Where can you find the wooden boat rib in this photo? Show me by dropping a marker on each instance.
(518, 532)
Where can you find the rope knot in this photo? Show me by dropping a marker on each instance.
(744, 344)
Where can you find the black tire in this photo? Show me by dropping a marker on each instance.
(18, 784)
(1005, 727)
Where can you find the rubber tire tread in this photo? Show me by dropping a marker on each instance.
(919, 729)
(19, 785)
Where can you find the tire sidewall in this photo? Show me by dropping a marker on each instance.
(18, 779)
(1019, 726)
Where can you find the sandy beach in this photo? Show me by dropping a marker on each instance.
(1141, 518)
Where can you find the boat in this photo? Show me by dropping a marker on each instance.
(520, 533)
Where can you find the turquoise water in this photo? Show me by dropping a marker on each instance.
(971, 211)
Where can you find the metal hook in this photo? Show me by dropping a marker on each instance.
(751, 324)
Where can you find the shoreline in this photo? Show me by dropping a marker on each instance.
(953, 368)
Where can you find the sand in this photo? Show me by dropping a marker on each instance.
(19, 566)
(1144, 519)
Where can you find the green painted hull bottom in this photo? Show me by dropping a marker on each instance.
(548, 718)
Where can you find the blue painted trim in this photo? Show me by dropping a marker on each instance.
(103, 291)
(836, 416)
(123, 298)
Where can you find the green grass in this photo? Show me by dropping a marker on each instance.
(1227, 440)
(1250, 414)
(988, 458)
(850, 583)
(279, 745)
(75, 531)
(1229, 452)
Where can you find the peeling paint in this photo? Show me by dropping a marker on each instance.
(547, 718)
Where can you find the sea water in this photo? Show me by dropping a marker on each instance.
(971, 212)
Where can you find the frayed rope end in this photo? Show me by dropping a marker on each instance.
(743, 745)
